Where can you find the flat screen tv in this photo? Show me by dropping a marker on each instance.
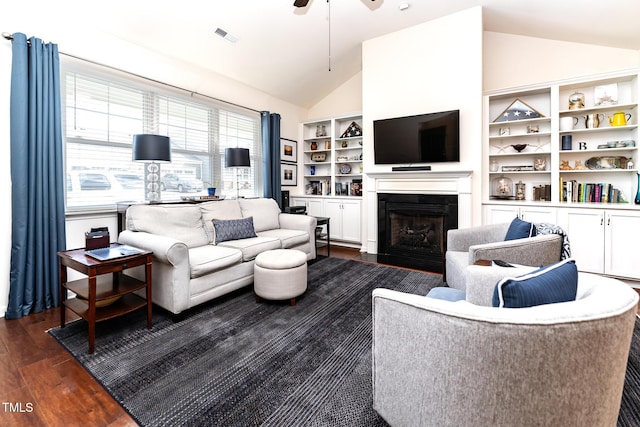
(424, 138)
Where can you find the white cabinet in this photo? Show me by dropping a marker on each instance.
(344, 214)
(314, 206)
(345, 219)
(497, 214)
(603, 241)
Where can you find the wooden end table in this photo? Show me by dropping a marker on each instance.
(98, 287)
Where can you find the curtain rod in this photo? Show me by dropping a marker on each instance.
(10, 37)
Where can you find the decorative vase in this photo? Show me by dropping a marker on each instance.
(637, 200)
(314, 145)
(211, 191)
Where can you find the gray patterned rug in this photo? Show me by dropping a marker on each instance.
(233, 362)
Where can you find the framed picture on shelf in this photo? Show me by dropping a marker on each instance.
(288, 174)
(288, 150)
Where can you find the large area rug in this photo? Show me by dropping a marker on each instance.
(233, 362)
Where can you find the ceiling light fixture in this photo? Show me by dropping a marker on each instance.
(228, 37)
(403, 6)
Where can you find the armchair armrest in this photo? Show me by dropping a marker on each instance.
(533, 251)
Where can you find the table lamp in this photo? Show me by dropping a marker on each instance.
(152, 149)
(237, 158)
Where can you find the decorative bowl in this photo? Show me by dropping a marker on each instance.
(519, 147)
(102, 302)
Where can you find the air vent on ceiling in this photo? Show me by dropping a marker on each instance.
(228, 37)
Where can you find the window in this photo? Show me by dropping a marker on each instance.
(103, 109)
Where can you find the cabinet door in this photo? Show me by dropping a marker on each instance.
(538, 214)
(333, 209)
(299, 201)
(499, 214)
(585, 228)
(314, 207)
(351, 220)
(622, 243)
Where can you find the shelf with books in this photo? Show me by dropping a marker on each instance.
(574, 191)
(332, 156)
(583, 129)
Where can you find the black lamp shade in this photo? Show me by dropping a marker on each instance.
(155, 148)
(237, 157)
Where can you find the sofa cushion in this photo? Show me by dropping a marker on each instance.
(265, 213)
(221, 209)
(519, 229)
(206, 259)
(179, 221)
(233, 229)
(546, 285)
(288, 238)
(252, 247)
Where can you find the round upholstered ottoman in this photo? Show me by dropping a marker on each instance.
(280, 274)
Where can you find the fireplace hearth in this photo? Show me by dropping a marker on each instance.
(412, 229)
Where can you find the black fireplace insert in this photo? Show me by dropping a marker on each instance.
(412, 229)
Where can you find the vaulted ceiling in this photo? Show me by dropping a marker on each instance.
(301, 54)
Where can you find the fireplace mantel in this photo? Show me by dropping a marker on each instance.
(419, 182)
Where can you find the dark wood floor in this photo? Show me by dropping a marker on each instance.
(43, 385)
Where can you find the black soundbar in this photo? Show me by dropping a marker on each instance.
(410, 168)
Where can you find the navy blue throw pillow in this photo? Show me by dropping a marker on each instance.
(547, 285)
(234, 229)
(519, 229)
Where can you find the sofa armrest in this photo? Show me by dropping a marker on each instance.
(298, 222)
(534, 251)
(165, 249)
(461, 239)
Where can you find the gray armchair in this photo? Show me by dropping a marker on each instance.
(467, 246)
(441, 363)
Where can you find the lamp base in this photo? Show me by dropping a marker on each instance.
(153, 186)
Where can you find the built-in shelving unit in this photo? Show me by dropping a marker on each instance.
(587, 139)
(332, 157)
(529, 154)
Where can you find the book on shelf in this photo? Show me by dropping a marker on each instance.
(588, 192)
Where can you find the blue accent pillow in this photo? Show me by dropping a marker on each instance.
(547, 285)
(519, 229)
(234, 229)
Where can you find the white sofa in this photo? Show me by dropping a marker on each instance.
(189, 268)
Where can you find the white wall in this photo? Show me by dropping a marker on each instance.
(346, 99)
(435, 66)
(72, 39)
(511, 60)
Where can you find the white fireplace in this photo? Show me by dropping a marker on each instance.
(436, 183)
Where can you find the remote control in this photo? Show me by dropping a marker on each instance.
(502, 263)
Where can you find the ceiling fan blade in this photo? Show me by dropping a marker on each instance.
(300, 3)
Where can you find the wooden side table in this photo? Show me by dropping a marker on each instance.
(98, 289)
